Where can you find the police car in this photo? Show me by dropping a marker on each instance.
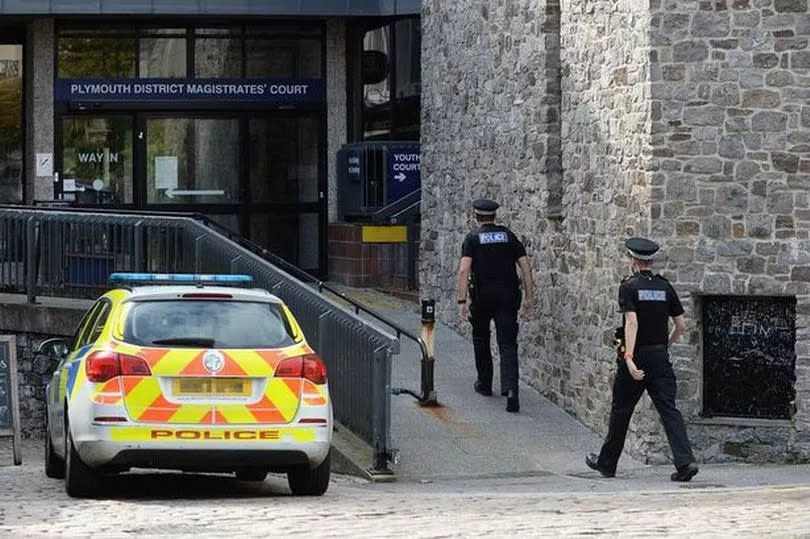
(187, 372)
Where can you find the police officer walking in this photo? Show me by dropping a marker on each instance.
(647, 301)
(490, 252)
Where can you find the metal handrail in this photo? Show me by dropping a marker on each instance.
(70, 253)
(398, 207)
(428, 394)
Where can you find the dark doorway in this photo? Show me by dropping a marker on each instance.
(749, 356)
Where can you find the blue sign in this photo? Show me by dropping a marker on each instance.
(404, 172)
(268, 91)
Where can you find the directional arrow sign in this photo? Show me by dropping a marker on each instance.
(400, 177)
(171, 193)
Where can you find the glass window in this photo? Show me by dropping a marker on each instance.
(218, 58)
(225, 324)
(284, 159)
(278, 232)
(192, 160)
(376, 94)
(102, 57)
(80, 337)
(408, 52)
(11, 138)
(97, 159)
(283, 58)
(223, 31)
(162, 57)
(101, 319)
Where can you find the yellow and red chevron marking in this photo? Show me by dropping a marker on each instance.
(313, 395)
(108, 392)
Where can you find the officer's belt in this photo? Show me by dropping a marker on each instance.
(652, 348)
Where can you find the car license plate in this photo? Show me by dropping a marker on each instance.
(211, 387)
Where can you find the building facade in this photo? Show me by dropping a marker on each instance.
(590, 121)
(231, 109)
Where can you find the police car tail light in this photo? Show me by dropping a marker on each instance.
(309, 366)
(105, 365)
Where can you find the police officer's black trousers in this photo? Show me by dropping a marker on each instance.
(502, 305)
(659, 381)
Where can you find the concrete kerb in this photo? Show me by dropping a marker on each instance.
(352, 456)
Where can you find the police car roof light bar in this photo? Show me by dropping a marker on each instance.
(180, 278)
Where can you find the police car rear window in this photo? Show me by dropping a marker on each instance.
(207, 324)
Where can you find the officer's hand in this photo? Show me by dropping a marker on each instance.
(635, 372)
(464, 311)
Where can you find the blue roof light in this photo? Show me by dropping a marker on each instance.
(177, 278)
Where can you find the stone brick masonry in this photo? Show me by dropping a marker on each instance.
(687, 120)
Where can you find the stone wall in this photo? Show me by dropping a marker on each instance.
(731, 139)
(683, 119)
(33, 372)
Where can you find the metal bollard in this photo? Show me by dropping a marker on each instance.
(428, 336)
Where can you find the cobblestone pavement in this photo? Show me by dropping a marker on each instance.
(152, 504)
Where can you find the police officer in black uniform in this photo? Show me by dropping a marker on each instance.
(490, 252)
(647, 301)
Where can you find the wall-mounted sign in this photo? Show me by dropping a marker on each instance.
(404, 172)
(268, 91)
(9, 398)
(44, 164)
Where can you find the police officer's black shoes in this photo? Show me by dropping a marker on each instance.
(481, 390)
(592, 460)
(685, 473)
(512, 402)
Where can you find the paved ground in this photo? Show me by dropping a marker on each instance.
(466, 469)
(149, 504)
(470, 435)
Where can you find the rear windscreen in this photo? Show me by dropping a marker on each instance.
(207, 324)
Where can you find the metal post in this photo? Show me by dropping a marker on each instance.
(137, 238)
(198, 254)
(428, 335)
(380, 410)
(30, 260)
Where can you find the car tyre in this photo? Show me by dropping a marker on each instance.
(81, 481)
(54, 465)
(251, 475)
(305, 481)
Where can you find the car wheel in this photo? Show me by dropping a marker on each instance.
(249, 474)
(305, 481)
(54, 466)
(81, 481)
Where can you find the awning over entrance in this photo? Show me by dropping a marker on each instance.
(332, 8)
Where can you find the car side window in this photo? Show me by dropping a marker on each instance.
(89, 315)
(100, 322)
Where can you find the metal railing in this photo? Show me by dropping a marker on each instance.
(70, 253)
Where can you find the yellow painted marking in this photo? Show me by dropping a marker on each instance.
(282, 396)
(144, 434)
(251, 362)
(190, 413)
(175, 361)
(129, 349)
(385, 234)
(235, 413)
(142, 395)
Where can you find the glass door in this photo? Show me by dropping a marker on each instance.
(96, 159)
(285, 203)
(11, 123)
(192, 163)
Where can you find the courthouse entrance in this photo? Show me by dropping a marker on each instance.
(247, 151)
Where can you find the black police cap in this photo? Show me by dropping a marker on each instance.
(484, 206)
(641, 248)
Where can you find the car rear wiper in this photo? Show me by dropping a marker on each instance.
(187, 341)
